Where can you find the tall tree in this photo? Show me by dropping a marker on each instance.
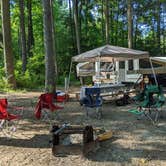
(50, 74)
(7, 43)
(23, 35)
(130, 23)
(75, 8)
(130, 31)
(1, 40)
(30, 39)
(53, 35)
(164, 33)
(102, 21)
(158, 8)
(107, 22)
(117, 23)
(71, 24)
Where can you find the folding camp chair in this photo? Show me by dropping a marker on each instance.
(8, 121)
(92, 99)
(44, 104)
(61, 97)
(153, 100)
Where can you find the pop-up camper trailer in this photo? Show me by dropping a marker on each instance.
(110, 64)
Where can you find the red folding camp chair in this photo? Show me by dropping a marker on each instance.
(61, 98)
(45, 103)
(7, 124)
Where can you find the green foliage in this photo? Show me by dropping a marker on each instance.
(92, 33)
(34, 76)
(73, 80)
(4, 86)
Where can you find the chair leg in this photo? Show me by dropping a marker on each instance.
(99, 112)
(2, 123)
(46, 116)
(149, 117)
(8, 128)
(2, 127)
(156, 116)
(161, 113)
(87, 112)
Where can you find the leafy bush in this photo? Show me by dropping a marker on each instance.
(4, 86)
(73, 80)
(34, 76)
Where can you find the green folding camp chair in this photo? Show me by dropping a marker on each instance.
(153, 100)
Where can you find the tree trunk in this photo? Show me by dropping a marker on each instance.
(71, 26)
(7, 43)
(111, 25)
(53, 36)
(49, 47)
(23, 36)
(86, 19)
(158, 25)
(107, 22)
(80, 20)
(135, 36)
(30, 40)
(102, 21)
(129, 16)
(117, 24)
(75, 7)
(1, 40)
(164, 38)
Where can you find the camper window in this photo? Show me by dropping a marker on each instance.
(121, 64)
(131, 67)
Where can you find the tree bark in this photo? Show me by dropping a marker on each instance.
(164, 38)
(71, 26)
(158, 25)
(23, 35)
(86, 19)
(1, 40)
(75, 7)
(129, 16)
(8, 53)
(53, 36)
(117, 23)
(50, 74)
(107, 22)
(30, 40)
(135, 36)
(102, 21)
(112, 30)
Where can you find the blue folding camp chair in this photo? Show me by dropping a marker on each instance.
(92, 99)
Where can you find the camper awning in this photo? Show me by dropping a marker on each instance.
(109, 53)
(160, 60)
(158, 70)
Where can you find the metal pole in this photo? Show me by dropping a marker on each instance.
(69, 76)
(66, 84)
(62, 128)
(151, 64)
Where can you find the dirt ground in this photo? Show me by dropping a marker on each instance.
(134, 142)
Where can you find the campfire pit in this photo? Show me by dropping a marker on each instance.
(58, 133)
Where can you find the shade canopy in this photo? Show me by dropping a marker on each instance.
(159, 69)
(160, 60)
(110, 53)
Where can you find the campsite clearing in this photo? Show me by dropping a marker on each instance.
(134, 142)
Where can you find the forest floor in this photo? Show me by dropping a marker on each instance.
(134, 142)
